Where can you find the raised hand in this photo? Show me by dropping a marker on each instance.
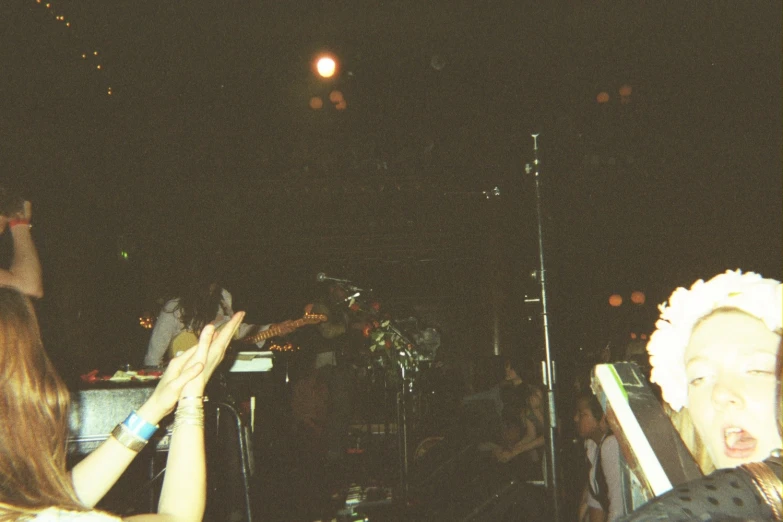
(209, 353)
(188, 373)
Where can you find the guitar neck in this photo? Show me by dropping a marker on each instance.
(272, 331)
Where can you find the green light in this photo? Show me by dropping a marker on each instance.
(124, 254)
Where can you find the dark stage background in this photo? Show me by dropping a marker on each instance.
(207, 142)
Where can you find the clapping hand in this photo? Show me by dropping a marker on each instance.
(188, 373)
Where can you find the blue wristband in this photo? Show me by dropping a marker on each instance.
(139, 426)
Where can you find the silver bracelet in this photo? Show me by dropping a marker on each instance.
(127, 438)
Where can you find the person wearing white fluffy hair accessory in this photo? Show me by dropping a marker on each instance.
(713, 354)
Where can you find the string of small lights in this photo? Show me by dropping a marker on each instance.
(88, 53)
(287, 347)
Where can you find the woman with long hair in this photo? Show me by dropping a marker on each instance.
(34, 404)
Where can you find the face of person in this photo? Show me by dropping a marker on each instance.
(586, 424)
(730, 366)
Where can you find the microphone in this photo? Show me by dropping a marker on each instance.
(321, 277)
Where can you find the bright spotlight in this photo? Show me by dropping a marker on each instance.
(326, 66)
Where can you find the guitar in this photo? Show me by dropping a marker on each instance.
(186, 339)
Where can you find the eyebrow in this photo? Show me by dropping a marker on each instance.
(755, 353)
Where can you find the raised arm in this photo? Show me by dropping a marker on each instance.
(183, 495)
(24, 274)
(167, 326)
(184, 488)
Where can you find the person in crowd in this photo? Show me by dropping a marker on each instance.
(201, 301)
(602, 499)
(24, 272)
(36, 486)
(533, 416)
(715, 354)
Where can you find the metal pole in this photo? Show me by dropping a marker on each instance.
(548, 373)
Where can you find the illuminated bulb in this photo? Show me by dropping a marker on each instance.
(98, 67)
(326, 67)
(67, 24)
(84, 56)
(48, 6)
(109, 91)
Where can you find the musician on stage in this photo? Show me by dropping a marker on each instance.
(202, 301)
(332, 346)
(24, 272)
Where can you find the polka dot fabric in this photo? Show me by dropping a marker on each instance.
(725, 495)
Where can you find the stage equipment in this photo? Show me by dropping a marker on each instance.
(345, 283)
(655, 458)
(548, 366)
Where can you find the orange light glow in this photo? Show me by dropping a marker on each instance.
(615, 300)
(316, 103)
(626, 90)
(602, 97)
(335, 96)
(638, 298)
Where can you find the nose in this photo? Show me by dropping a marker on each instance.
(726, 392)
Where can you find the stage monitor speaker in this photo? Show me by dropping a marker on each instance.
(95, 413)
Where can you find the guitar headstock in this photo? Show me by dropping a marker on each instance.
(309, 318)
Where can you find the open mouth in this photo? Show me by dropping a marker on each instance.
(738, 443)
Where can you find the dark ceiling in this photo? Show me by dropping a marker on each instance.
(208, 137)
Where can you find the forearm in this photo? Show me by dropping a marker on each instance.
(96, 474)
(183, 495)
(531, 445)
(167, 326)
(25, 266)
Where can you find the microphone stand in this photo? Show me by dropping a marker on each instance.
(402, 415)
(548, 365)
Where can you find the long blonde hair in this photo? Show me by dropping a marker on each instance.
(683, 423)
(34, 404)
